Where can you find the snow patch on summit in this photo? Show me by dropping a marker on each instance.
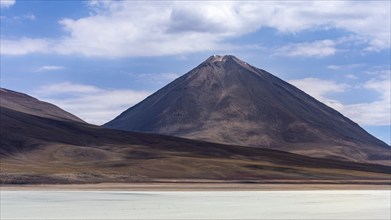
(217, 58)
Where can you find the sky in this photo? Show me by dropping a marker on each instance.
(95, 59)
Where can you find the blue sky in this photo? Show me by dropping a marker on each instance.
(97, 58)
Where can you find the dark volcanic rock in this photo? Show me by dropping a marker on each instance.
(226, 100)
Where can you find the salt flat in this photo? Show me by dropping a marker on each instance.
(321, 204)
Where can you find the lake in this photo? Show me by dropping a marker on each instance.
(321, 204)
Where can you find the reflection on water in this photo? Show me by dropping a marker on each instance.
(341, 204)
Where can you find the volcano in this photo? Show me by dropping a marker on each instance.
(42, 144)
(226, 100)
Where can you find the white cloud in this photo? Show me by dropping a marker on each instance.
(92, 104)
(49, 68)
(377, 112)
(130, 28)
(29, 17)
(6, 3)
(346, 66)
(320, 88)
(321, 48)
(334, 67)
(20, 18)
(67, 87)
(159, 78)
(351, 76)
(25, 46)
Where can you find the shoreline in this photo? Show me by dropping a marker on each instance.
(192, 187)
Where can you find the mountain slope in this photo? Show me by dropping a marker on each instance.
(29, 105)
(40, 149)
(226, 100)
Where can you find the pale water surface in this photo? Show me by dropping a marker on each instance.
(328, 204)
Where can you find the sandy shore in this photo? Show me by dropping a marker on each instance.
(195, 187)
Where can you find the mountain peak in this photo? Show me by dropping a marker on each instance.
(219, 58)
(226, 100)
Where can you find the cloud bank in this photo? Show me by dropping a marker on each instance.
(374, 113)
(6, 3)
(93, 104)
(321, 48)
(49, 68)
(132, 28)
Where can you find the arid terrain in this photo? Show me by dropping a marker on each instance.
(36, 149)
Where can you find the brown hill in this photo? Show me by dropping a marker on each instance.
(40, 149)
(226, 100)
(29, 105)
